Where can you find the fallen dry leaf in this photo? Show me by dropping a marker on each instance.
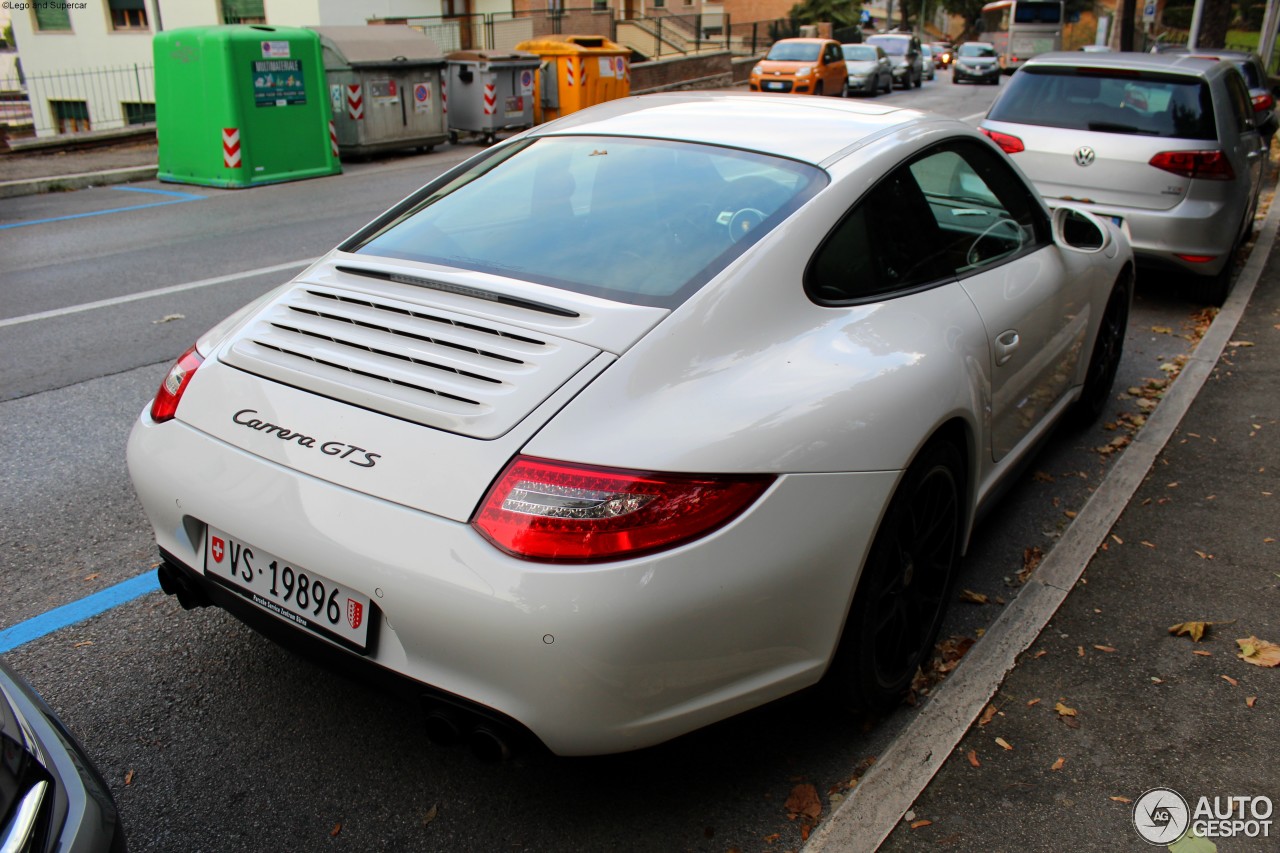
(1071, 513)
(973, 758)
(1107, 649)
(1239, 343)
(1033, 703)
(1031, 558)
(1148, 544)
(919, 823)
(1080, 651)
(431, 815)
(1057, 765)
(83, 643)
(1203, 654)
(1230, 681)
(1064, 711)
(128, 778)
(1251, 701)
(1259, 652)
(988, 714)
(93, 577)
(333, 833)
(972, 597)
(804, 803)
(1003, 744)
(1121, 799)
(1194, 630)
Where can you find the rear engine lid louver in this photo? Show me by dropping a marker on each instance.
(420, 363)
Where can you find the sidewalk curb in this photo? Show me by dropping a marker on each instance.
(873, 809)
(59, 183)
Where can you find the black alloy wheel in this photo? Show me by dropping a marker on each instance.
(905, 585)
(1107, 349)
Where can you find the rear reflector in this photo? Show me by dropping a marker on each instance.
(1208, 165)
(1008, 144)
(564, 512)
(1195, 259)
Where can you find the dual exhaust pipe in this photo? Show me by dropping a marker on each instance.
(489, 740)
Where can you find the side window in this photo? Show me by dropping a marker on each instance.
(1241, 105)
(954, 210)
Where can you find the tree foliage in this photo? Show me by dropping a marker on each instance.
(841, 13)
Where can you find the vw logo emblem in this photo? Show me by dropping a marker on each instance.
(1085, 155)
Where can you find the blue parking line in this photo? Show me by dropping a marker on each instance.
(78, 611)
(176, 198)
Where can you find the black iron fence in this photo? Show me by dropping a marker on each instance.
(79, 101)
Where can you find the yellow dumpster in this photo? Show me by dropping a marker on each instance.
(576, 72)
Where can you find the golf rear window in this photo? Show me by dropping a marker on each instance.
(1109, 101)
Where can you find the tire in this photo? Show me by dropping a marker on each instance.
(919, 80)
(1100, 375)
(1217, 287)
(888, 87)
(818, 89)
(844, 88)
(905, 585)
(955, 79)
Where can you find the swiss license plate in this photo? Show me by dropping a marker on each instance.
(296, 595)
(773, 85)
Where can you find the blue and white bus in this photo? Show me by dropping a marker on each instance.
(1020, 29)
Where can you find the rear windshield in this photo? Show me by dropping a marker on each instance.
(1109, 101)
(634, 220)
(805, 51)
(857, 51)
(1037, 13)
(891, 46)
(970, 50)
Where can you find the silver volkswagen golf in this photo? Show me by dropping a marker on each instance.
(1164, 145)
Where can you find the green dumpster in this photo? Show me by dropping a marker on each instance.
(242, 105)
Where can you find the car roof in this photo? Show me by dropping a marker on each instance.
(798, 127)
(805, 41)
(1200, 66)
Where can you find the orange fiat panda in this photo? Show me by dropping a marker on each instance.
(803, 66)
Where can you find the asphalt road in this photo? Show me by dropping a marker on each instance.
(213, 738)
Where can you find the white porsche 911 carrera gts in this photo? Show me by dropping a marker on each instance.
(639, 419)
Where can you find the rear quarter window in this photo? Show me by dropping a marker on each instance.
(1143, 104)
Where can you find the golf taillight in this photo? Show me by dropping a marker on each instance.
(1208, 165)
(563, 512)
(1009, 144)
(165, 405)
(1263, 101)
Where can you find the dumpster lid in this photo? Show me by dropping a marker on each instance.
(572, 44)
(520, 56)
(381, 45)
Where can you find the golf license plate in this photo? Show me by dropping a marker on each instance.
(296, 595)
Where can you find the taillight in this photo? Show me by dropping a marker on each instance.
(1009, 144)
(1263, 101)
(165, 405)
(564, 512)
(1209, 165)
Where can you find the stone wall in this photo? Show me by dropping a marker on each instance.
(705, 71)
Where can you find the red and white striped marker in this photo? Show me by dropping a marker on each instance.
(355, 101)
(570, 72)
(231, 147)
(490, 99)
(333, 139)
(444, 95)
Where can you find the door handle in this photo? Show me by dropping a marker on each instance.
(1006, 344)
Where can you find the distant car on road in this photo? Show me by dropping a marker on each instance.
(645, 417)
(905, 54)
(1164, 144)
(52, 798)
(802, 66)
(869, 69)
(976, 61)
(927, 65)
(943, 54)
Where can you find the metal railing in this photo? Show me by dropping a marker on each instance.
(84, 100)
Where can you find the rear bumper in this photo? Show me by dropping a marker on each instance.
(589, 658)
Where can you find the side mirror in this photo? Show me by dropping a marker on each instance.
(1079, 230)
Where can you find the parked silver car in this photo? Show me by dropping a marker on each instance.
(1164, 144)
(926, 61)
(870, 70)
(1255, 77)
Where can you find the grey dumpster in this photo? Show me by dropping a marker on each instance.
(386, 84)
(490, 91)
